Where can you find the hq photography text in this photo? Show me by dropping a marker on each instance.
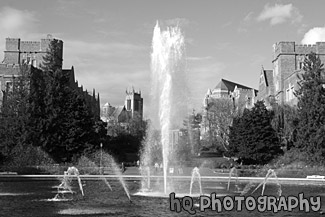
(239, 203)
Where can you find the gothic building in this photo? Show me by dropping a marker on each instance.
(20, 52)
(134, 103)
(238, 95)
(121, 115)
(278, 84)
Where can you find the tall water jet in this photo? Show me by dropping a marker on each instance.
(168, 93)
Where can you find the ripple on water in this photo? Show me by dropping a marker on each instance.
(14, 194)
(99, 211)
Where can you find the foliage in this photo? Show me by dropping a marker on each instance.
(219, 115)
(190, 132)
(13, 116)
(126, 138)
(60, 121)
(285, 122)
(252, 138)
(53, 60)
(311, 109)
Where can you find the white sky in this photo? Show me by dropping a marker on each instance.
(109, 42)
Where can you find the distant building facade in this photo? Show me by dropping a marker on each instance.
(121, 115)
(20, 52)
(240, 96)
(238, 93)
(279, 84)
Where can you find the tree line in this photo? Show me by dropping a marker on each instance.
(44, 117)
(260, 135)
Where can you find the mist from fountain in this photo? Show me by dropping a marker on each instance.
(168, 96)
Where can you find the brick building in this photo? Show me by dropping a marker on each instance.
(31, 53)
(278, 85)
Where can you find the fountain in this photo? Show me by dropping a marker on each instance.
(196, 175)
(232, 172)
(168, 100)
(117, 171)
(65, 186)
(270, 174)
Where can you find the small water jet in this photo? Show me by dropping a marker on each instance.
(117, 171)
(88, 166)
(65, 186)
(107, 183)
(196, 175)
(270, 173)
(232, 172)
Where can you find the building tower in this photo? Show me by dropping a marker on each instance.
(28, 52)
(134, 103)
(288, 59)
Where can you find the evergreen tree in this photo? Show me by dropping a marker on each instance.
(13, 116)
(252, 138)
(53, 59)
(61, 122)
(311, 109)
(285, 122)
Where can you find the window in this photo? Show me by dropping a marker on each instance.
(249, 102)
(290, 92)
(292, 89)
(28, 60)
(261, 79)
(128, 105)
(300, 65)
(276, 68)
(136, 106)
(277, 86)
(34, 63)
(9, 86)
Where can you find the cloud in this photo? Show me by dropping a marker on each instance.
(245, 23)
(314, 35)
(203, 75)
(198, 58)
(182, 22)
(109, 67)
(13, 21)
(248, 17)
(279, 13)
(18, 24)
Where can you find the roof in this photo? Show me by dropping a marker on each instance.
(268, 75)
(229, 85)
(117, 112)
